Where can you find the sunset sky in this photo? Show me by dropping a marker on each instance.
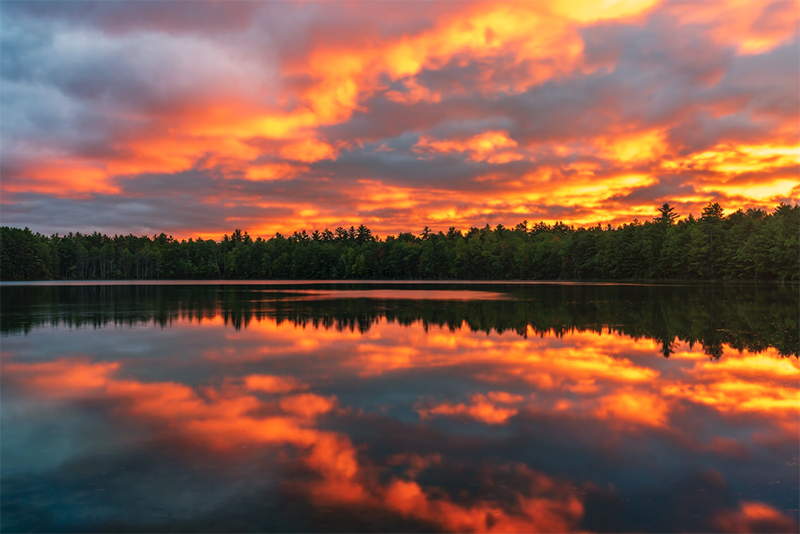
(196, 118)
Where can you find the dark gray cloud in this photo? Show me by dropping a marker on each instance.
(107, 87)
(119, 16)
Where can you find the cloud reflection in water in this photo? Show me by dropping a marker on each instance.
(413, 425)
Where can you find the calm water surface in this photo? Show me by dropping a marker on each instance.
(399, 407)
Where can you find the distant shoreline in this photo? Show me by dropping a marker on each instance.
(398, 282)
(751, 246)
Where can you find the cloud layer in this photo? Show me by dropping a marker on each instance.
(132, 117)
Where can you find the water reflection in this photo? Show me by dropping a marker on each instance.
(287, 425)
(746, 317)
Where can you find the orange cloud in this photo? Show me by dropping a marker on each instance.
(636, 407)
(755, 517)
(480, 409)
(64, 377)
(560, 514)
(589, 375)
(307, 405)
(603, 376)
(342, 78)
(273, 171)
(633, 148)
(752, 27)
(273, 384)
(762, 384)
(222, 419)
(492, 147)
(308, 151)
(585, 112)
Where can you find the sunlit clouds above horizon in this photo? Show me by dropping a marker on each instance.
(195, 118)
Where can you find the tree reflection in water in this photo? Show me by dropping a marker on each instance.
(533, 409)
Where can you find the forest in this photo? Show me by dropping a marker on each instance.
(751, 245)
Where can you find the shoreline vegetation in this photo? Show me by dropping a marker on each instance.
(751, 245)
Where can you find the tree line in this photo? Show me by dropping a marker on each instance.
(751, 245)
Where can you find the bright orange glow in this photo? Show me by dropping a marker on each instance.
(413, 93)
(62, 176)
(601, 375)
(307, 405)
(755, 517)
(272, 171)
(586, 373)
(758, 384)
(273, 384)
(757, 28)
(634, 407)
(65, 377)
(492, 147)
(585, 11)
(221, 421)
(633, 149)
(308, 151)
(481, 409)
(489, 111)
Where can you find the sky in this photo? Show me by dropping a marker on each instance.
(196, 118)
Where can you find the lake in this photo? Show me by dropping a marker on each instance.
(402, 407)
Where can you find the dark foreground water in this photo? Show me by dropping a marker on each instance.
(399, 407)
